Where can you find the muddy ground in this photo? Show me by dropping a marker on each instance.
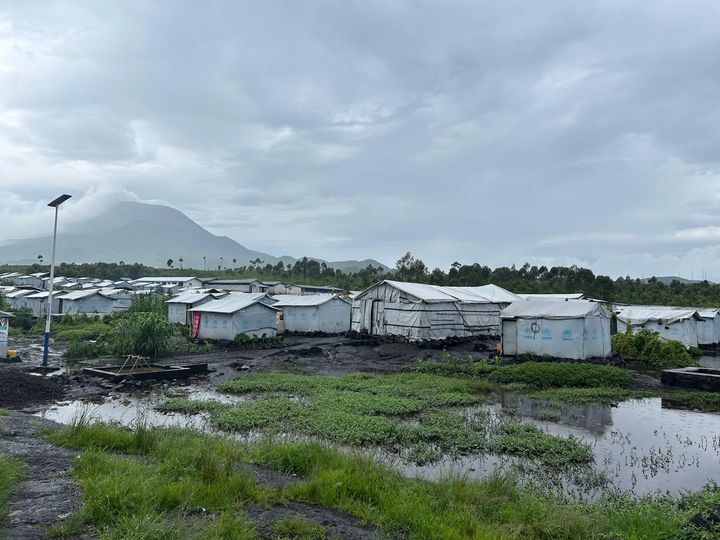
(47, 493)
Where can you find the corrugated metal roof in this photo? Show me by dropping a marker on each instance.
(163, 279)
(45, 294)
(19, 293)
(188, 297)
(6, 315)
(437, 293)
(79, 295)
(310, 300)
(230, 303)
(554, 309)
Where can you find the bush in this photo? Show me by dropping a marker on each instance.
(451, 366)
(24, 319)
(148, 303)
(85, 349)
(144, 334)
(647, 348)
(542, 375)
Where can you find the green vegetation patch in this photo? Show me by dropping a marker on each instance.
(10, 475)
(298, 528)
(542, 375)
(694, 399)
(602, 395)
(181, 484)
(414, 414)
(645, 348)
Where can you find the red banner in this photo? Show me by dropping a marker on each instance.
(195, 325)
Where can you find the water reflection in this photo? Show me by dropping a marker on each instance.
(593, 417)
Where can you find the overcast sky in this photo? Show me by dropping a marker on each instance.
(492, 132)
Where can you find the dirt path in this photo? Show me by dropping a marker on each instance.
(46, 494)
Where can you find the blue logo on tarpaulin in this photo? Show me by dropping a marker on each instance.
(527, 333)
(567, 334)
(547, 333)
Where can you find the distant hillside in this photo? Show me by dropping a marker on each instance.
(149, 234)
(667, 280)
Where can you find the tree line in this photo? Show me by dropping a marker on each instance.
(525, 279)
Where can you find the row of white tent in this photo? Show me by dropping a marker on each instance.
(213, 314)
(560, 325)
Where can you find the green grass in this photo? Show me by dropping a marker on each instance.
(157, 483)
(694, 399)
(298, 528)
(416, 415)
(602, 395)
(154, 494)
(542, 375)
(10, 475)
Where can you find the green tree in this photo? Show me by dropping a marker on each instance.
(408, 268)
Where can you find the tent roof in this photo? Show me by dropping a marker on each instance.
(664, 314)
(554, 309)
(437, 293)
(230, 303)
(6, 315)
(188, 297)
(552, 296)
(310, 300)
(80, 295)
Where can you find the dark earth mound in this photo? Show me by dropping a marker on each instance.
(19, 389)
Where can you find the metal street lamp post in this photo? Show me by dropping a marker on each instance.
(54, 204)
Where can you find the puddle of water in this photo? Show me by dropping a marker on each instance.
(639, 446)
(712, 362)
(127, 410)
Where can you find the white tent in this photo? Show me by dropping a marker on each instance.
(233, 314)
(575, 329)
(327, 313)
(709, 326)
(552, 296)
(179, 305)
(679, 324)
(419, 312)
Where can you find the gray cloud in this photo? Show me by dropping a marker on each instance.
(475, 131)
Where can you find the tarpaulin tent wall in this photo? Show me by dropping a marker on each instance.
(575, 329)
(314, 313)
(709, 326)
(419, 312)
(679, 324)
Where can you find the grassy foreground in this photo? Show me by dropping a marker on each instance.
(152, 484)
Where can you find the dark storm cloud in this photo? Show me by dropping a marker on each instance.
(560, 132)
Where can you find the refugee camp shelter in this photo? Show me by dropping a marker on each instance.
(575, 329)
(553, 296)
(233, 314)
(38, 301)
(4, 331)
(237, 285)
(179, 282)
(179, 305)
(326, 313)
(679, 324)
(15, 298)
(708, 326)
(419, 312)
(91, 302)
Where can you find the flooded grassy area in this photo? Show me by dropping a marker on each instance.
(541, 450)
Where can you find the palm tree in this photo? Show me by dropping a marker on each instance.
(204, 262)
(169, 263)
(180, 260)
(40, 259)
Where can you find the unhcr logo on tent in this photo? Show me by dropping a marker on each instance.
(567, 335)
(547, 333)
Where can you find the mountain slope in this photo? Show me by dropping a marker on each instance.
(145, 233)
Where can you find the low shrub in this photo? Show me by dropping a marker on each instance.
(452, 366)
(647, 348)
(85, 349)
(145, 334)
(540, 375)
(23, 320)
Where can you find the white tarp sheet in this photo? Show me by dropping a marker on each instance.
(679, 324)
(575, 329)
